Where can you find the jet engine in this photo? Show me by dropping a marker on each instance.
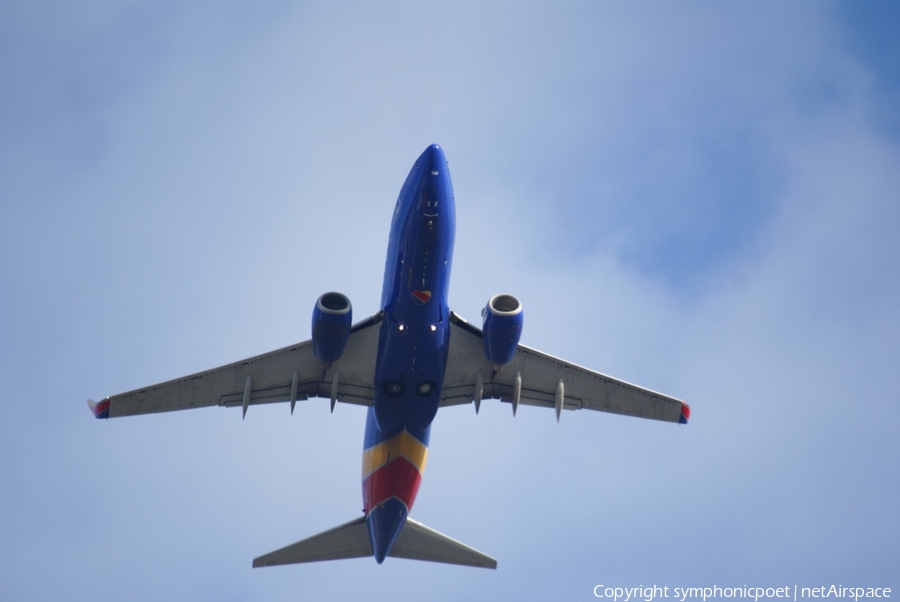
(502, 328)
(331, 326)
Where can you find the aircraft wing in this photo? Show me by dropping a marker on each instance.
(289, 374)
(544, 380)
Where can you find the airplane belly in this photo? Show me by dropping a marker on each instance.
(409, 372)
(412, 349)
(408, 378)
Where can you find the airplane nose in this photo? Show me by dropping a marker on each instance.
(433, 159)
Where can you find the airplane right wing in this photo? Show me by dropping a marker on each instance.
(535, 378)
(289, 374)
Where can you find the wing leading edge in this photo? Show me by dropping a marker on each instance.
(289, 374)
(535, 378)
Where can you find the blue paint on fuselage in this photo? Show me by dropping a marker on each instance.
(414, 337)
(415, 333)
(384, 524)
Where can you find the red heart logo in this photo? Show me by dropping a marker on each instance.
(421, 297)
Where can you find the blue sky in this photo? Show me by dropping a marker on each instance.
(697, 197)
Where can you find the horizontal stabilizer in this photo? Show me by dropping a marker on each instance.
(418, 542)
(351, 540)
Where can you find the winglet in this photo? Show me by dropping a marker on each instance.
(100, 410)
(685, 413)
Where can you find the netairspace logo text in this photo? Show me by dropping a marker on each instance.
(682, 594)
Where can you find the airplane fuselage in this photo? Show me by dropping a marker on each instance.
(412, 349)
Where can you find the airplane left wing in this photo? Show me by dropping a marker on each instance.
(535, 378)
(289, 374)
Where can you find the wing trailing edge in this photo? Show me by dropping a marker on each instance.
(351, 540)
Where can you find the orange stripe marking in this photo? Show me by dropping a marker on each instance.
(401, 445)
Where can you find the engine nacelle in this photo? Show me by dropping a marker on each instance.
(331, 326)
(502, 328)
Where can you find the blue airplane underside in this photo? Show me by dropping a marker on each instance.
(415, 332)
(412, 358)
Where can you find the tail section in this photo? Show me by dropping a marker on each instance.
(351, 540)
(386, 522)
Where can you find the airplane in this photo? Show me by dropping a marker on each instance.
(404, 363)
